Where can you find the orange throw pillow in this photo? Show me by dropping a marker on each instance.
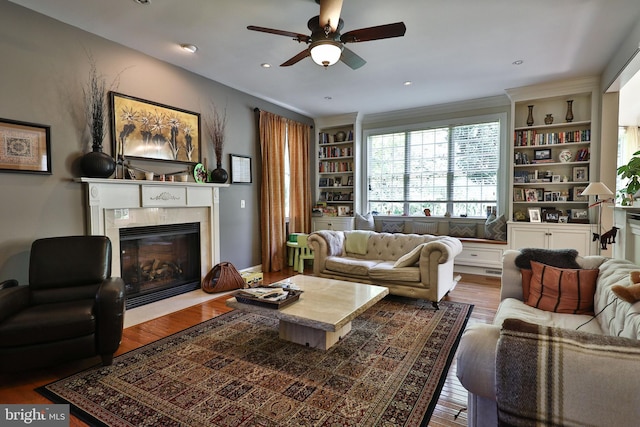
(562, 290)
(526, 283)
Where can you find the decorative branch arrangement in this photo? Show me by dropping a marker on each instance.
(216, 124)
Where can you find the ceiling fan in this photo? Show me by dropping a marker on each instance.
(326, 44)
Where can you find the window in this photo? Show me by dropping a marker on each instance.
(450, 168)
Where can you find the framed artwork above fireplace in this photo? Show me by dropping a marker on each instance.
(152, 131)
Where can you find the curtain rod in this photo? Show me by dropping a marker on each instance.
(257, 110)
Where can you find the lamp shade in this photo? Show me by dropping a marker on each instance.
(597, 189)
(326, 52)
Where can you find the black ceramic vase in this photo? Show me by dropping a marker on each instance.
(219, 175)
(96, 164)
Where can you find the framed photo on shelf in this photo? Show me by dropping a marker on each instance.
(547, 196)
(551, 215)
(563, 219)
(534, 215)
(322, 182)
(542, 154)
(518, 195)
(577, 194)
(556, 178)
(531, 195)
(580, 173)
(350, 181)
(25, 147)
(579, 214)
(343, 210)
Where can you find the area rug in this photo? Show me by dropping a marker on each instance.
(233, 370)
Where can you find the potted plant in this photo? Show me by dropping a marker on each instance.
(216, 124)
(96, 163)
(630, 171)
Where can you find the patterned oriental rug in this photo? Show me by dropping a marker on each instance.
(233, 370)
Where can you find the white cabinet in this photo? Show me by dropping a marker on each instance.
(552, 236)
(332, 223)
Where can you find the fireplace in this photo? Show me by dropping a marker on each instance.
(159, 261)
(116, 206)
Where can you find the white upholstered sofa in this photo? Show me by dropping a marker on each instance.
(558, 368)
(411, 265)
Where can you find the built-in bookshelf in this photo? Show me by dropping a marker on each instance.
(553, 141)
(335, 170)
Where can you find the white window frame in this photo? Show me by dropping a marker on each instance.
(503, 160)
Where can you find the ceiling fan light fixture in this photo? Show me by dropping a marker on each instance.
(326, 52)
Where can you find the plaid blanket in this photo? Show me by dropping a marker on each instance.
(558, 377)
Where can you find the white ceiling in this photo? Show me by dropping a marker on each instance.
(453, 49)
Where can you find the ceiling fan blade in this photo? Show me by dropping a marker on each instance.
(330, 13)
(351, 59)
(303, 38)
(296, 58)
(387, 31)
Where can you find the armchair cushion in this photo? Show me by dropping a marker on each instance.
(64, 320)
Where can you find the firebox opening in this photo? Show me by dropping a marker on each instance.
(159, 261)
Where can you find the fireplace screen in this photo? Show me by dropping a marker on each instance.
(159, 261)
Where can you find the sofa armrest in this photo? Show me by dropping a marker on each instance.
(442, 250)
(325, 243)
(583, 378)
(476, 359)
(12, 300)
(511, 283)
(110, 300)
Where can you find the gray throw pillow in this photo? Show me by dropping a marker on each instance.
(496, 228)
(365, 222)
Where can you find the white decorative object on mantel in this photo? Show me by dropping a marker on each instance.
(115, 203)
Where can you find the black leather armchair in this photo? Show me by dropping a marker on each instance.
(71, 309)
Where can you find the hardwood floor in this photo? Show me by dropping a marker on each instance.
(482, 292)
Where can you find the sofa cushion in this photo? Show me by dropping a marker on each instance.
(562, 290)
(392, 227)
(350, 266)
(462, 229)
(364, 222)
(385, 271)
(516, 309)
(562, 258)
(409, 258)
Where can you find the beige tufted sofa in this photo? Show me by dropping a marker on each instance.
(428, 273)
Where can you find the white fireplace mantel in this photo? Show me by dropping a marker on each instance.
(109, 202)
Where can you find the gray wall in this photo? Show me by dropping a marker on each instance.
(43, 68)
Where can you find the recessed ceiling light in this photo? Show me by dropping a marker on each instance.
(143, 1)
(518, 62)
(189, 48)
(265, 65)
(408, 83)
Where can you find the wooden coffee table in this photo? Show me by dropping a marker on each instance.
(323, 314)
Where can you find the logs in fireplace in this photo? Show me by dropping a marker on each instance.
(159, 261)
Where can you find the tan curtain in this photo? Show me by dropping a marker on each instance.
(299, 187)
(272, 145)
